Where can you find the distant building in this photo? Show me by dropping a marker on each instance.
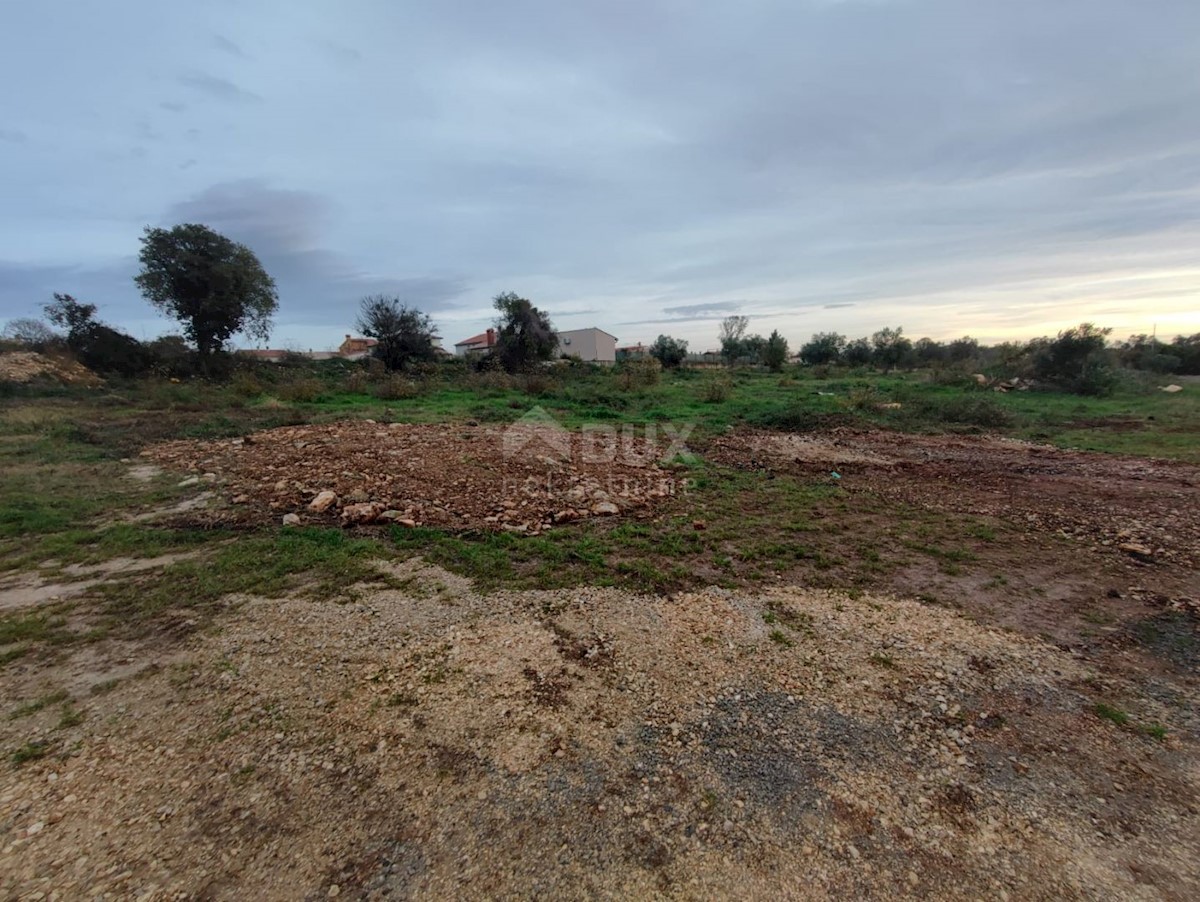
(633, 352)
(350, 349)
(356, 348)
(476, 345)
(593, 345)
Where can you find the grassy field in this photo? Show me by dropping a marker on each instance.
(65, 498)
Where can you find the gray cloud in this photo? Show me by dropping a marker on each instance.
(339, 53)
(718, 308)
(286, 230)
(219, 88)
(225, 45)
(836, 165)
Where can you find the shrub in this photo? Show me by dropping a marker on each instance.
(538, 385)
(638, 374)
(862, 397)
(1076, 361)
(358, 382)
(397, 388)
(305, 389)
(798, 418)
(246, 385)
(967, 410)
(491, 380)
(716, 389)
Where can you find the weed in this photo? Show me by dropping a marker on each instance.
(12, 654)
(779, 637)
(882, 660)
(38, 704)
(30, 751)
(1154, 730)
(71, 717)
(716, 390)
(1109, 713)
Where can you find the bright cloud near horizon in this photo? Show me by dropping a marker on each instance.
(1000, 168)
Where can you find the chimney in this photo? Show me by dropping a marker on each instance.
(491, 337)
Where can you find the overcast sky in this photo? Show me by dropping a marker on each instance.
(1000, 168)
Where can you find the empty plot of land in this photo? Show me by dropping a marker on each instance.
(1149, 509)
(522, 477)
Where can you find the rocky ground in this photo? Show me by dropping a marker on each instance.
(427, 740)
(524, 477)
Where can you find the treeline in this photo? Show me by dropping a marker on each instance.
(890, 349)
(1082, 360)
(216, 288)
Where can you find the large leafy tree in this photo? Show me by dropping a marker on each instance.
(670, 352)
(524, 335)
(1077, 360)
(823, 347)
(890, 348)
(774, 353)
(212, 285)
(404, 334)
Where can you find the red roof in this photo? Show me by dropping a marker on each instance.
(483, 339)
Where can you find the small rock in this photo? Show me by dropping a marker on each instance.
(1137, 549)
(366, 512)
(323, 501)
(241, 499)
(191, 480)
(699, 525)
(605, 509)
(291, 519)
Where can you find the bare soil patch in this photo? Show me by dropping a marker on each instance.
(431, 742)
(521, 478)
(1068, 544)
(1125, 504)
(27, 366)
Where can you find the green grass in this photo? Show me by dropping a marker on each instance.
(1154, 731)
(1125, 720)
(38, 704)
(312, 561)
(30, 751)
(32, 626)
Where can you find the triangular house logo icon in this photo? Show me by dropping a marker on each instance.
(537, 433)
